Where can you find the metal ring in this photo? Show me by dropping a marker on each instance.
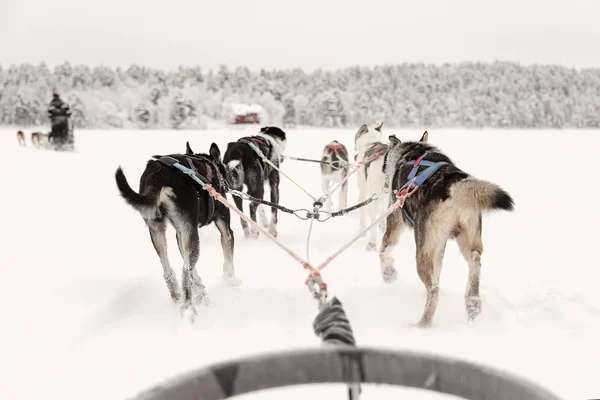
(323, 219)
(345, 364)
(307, 216)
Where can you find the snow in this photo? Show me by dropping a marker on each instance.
(86, 313)
(243, 109)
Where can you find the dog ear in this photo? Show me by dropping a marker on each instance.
(425, 137)
(215, 152)
(363, 128)
(188, 149)
(393, 140)
(378, 129)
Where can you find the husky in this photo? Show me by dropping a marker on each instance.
(40, 140)
(21, 138)
(367, 143)
(334, 168)
(246, 168)
(448, 204)
(167, 194)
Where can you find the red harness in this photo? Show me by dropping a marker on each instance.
(335, 146)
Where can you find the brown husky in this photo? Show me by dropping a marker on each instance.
(448, 204)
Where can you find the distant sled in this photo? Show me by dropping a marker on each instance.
(43, 141)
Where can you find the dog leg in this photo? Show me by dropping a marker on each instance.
(159, 241)
(343, 196)
(372, 211)
(194, 291)
(362, 189)
(239, 203)
(253, 232)
(262, 216)
(325, 184)
(429, 253)
(227, 245)
(274, 189)
(395, 226)
(383, 204)
(471, 249)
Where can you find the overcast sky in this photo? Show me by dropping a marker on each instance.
(303, 33)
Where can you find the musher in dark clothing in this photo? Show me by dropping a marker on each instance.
(59, 113)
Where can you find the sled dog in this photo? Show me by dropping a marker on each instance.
(448, 204)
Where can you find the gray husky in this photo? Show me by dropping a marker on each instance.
(448, 204)
(334, 169)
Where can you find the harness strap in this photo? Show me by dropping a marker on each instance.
(193, 173)
(222, 180)
(335, 146)
(418, 180)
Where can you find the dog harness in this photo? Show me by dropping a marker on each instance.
(335, 146)
(257, 142)
(193, 173)
(420, 178)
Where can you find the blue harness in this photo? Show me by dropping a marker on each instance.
(420, 178)
(192, 173)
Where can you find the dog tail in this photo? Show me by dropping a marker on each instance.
(481, 195)
(146, 204)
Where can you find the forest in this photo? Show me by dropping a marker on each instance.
(469, 95)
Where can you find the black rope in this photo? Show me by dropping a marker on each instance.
(335, 164)
(354, 207)
(261, 201)
(303, 213)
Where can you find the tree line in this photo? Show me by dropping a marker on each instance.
(469, 94)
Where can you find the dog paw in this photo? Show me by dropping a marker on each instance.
(423, 324)
(252, 234)
(231, 281)
(176, 298)
(371, 247)
(188, 312)
(389, 274)
(473, 306)
(273, 230)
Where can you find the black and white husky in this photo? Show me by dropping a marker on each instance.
(334, 168)
(245, 168)
(367, 143)
(447, 205)
(168, 195)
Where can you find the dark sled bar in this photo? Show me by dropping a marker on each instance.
(342, 365)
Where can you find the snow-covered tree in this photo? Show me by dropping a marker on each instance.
(499, 94)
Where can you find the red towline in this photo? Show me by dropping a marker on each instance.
(314, 277)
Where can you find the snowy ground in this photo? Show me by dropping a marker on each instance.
(86, 313)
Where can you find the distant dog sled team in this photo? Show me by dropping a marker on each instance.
(445, 203)
(61, 135)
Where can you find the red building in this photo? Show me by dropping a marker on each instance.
(249, 118)
(246, 114)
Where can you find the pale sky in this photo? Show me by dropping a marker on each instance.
(304, 33)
